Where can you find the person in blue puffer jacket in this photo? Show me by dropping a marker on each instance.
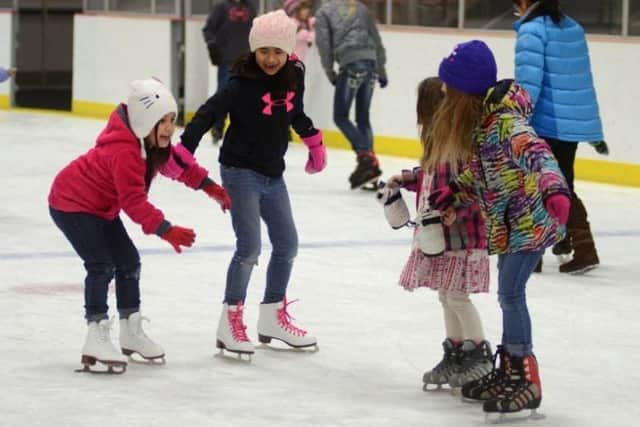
(552, 64)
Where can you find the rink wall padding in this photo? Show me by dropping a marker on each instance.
(107, 56)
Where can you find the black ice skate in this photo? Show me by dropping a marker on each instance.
(491, 385)
(523, 390)
(444, 370)
(367, 171)
(475, 361)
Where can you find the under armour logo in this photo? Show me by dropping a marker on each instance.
(286, 102)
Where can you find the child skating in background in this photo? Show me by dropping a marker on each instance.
(85, 203)
(263, 98)
(525, 203)
(300, 12)
(464, 266)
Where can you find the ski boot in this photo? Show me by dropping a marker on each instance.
(134, 340)
(231, 335)
(445, 369)
(99, 348)
(367, 172)
(475, 362)
(274, 322)
(492, 384)
(523, 390)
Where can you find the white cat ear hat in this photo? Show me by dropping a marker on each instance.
(149, 101)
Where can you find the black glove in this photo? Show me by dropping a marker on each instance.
(214, 54)
(332, 76)
(601, 147)
(383, 82)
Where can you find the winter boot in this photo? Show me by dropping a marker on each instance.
(231, 335)
(134, 340)
(585, 256)
(99, 348)
(274, 322)
(493, 384)
(475, 362)
(445, 369)
(367, 170)
(523, 390)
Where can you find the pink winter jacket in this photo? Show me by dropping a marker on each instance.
(304, 38)
(110, 177)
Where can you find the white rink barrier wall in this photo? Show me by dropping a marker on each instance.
(6, 60)
(111, 50)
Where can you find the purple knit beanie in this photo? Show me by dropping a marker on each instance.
(470, 68)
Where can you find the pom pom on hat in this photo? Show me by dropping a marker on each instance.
(149, 101)
(470, 68)
(273, 29)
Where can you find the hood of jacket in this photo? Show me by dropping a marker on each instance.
(507, 95)
(118, 130)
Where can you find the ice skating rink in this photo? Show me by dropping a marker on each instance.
(376, 339)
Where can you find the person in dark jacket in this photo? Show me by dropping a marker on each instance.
(552, 64)
(226, 34)
(85, 203)
(263, 98)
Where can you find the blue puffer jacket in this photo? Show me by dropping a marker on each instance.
(552, 64)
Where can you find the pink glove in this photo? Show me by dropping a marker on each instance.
(317, 153)
(558, 206)
(179, 160)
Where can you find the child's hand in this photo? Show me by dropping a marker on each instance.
(394, 181)
(449, 216)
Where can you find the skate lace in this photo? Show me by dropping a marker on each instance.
(284, 319)
(238, 328)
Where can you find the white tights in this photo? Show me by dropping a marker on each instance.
(461, 319)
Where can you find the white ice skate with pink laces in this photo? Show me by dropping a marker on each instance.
(232, 335)
(275, 322)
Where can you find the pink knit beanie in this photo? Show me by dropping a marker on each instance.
(273, 29)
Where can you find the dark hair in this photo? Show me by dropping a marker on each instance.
(550, 8)
(286, 79)
(156, 158)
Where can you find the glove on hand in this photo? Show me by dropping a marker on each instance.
(332, 76)
(214, 54)
(179, 236)
(317, 153)
(441, 199)
(558, 206)
(179, 160)
(601, 147)
(219, 194)
(383, 82)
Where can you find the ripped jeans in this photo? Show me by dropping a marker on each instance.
(107, 251)
(256, 196)
(355, 81)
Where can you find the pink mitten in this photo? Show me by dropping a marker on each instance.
(179, 160)
(317, 153)
(558, 206)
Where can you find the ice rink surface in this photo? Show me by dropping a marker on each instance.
(375, 338)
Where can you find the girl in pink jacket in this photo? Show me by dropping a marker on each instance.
(300, 11)
(85, 203)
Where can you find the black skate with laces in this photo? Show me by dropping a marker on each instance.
(492, 384)
(444, 370)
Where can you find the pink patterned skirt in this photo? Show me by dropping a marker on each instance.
(464, 271)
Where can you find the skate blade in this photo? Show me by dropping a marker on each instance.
(137, 358)
(434, 388)
(265, 341)
(113, 367)
(512, 417)
(233, 356)
(368, 185)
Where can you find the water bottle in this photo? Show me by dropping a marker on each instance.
(430, 234)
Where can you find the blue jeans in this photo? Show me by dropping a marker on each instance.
(514, 269)
(224, 74)
(355, 80)
(256, 196)
(107, 251)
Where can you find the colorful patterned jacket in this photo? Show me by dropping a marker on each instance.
(511, 175)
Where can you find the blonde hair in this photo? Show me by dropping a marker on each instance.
(449, 138)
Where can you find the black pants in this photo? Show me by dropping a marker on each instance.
(565, 153)
(107, 251)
